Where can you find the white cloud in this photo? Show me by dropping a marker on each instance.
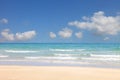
(65, 33)
(4, 21)
(106, 38)
(85, 18)
(52, 35)
(7, 35)
(18, 36)
(100, 23)
(25, 35)
(78, 34)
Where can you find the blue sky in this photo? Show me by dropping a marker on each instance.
(34, 20)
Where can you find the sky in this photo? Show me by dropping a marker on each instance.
(60, 21)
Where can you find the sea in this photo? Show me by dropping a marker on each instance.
(61, 54)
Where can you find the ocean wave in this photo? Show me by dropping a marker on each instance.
(32, 57)
(52, 58)
(105, 56)
(61, 50)
(72, 54)
(20, 51)
(3, 56)
(68, 50)
(80, 49)
(63, 55)
(101, 59)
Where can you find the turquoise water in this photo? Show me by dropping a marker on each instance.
(58, 53)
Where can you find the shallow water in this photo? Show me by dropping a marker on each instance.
(63, 54)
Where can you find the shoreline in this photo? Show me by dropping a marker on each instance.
(10, 72)
(46, 63)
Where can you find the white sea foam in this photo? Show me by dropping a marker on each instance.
(102, 59)
(68, 50)
(20, 51)
(61, 49)
(32, 57)
(3, 56)
(63, 55)
(52, 58)
(80, 49)
(105, 56)
(98, 57)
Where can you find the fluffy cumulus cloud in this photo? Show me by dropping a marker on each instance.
(78, 34)
(52, 35)
(25, 35)
(65, 33)
(7, 35)
(4, 21)
(18, 36)
(101, 24)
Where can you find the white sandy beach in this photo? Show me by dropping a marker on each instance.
(57, 73)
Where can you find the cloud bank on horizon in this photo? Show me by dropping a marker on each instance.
(99, 23)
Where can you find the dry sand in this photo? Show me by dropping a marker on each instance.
(57, 73)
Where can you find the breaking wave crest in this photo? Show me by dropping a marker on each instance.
(52, 58)
(67, 50)
(20, 51)
(3, 56)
